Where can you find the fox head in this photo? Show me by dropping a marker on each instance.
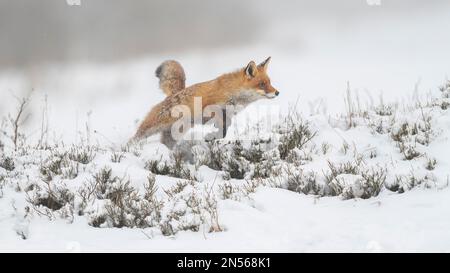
(257, 80)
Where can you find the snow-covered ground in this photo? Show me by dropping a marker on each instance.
(363, 170)
(368, 180)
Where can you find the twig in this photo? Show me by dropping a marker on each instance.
(17, 122)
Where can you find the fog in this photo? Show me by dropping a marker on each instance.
(35, 32)
(47, 31)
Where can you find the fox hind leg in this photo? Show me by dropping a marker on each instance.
(167, 139)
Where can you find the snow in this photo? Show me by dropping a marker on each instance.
(412, 222)
(99, 106)
(270, 218)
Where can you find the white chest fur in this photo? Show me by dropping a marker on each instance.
(245, 97)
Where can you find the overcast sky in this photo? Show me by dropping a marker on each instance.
(35, 32)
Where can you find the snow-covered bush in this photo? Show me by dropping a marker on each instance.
(51, 200)
(406, 182)
(116, 157)
(294, 135)
(7, 163)
(176, 167)
(59, 164)
(81, 154)
(304, 182)
(128, 187)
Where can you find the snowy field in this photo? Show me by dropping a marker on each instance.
(356, 158)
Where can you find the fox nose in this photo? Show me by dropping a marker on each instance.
(277, 93)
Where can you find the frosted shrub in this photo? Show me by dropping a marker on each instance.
(296, 135)
(303, 182)
(7, 163)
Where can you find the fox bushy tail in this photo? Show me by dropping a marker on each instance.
(171, 77)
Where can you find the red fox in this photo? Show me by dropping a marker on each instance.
(240, 88)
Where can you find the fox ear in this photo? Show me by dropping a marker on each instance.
(251, 69)
(265, 63)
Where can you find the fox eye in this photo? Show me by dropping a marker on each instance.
(262, 84)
